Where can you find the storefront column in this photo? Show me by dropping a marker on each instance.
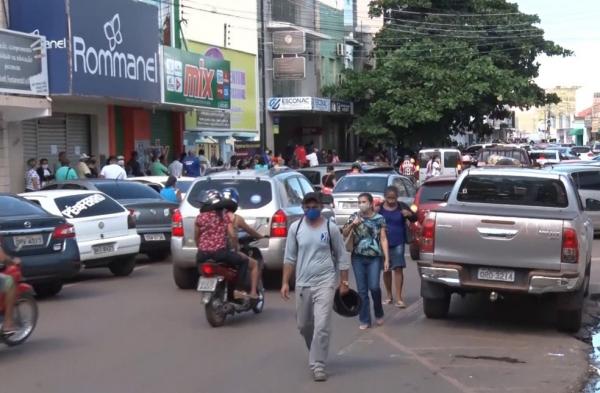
(4, 171)
(178, 121)
(136, 129)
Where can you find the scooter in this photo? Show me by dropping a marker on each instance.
(25, 314)
(223, 287)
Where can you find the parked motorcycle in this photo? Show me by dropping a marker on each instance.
(25, 311)
(223, 287)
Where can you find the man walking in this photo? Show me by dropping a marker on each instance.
(315, 248)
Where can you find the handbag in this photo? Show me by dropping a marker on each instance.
(349, 242)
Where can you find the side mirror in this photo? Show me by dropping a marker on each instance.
(446, 196)
(592, 204)
(327, 199)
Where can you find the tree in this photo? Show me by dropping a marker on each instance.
(444, 66)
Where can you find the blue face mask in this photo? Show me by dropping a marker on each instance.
(312, 213)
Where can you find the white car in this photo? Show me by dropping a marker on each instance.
(158, 182)
(105, 231)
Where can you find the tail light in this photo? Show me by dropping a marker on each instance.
(207, 270)
(417, 168)
(570, 246)
(421, 214)
(428, 235)
(279, 224)
(176, 224)
(590, 154)
(64, 231)
(131, 219)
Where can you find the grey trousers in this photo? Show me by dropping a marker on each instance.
(314, 306)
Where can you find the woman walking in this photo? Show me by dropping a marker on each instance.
(395, 214)
(370, 250)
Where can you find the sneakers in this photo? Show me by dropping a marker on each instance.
(319, 375)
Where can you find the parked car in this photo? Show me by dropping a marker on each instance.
(44, 242)
(105, 230)
(158, 182)
(346, 191)
(450, 159)
(596, 147)
(269, 201)
(518, 231)
(542, 158)
(503, 156)
(430, 195)
(152, 213)
(315, 174)
(584, 152)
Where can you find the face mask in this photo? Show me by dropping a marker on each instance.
(45, 166)
(312, 213)
(121, 163)
(364, 207)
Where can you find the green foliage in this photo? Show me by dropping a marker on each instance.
(443, 66)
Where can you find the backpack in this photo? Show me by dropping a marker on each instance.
(328, 233)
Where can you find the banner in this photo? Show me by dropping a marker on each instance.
(23, 63)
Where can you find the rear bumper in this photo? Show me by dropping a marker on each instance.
(54, 266)
(124, 245)
(535, 282)
(155, 245)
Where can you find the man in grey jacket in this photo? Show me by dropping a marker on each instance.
(315, 248)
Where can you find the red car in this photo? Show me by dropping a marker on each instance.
(429, 196)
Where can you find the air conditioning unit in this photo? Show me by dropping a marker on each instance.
(340, 49)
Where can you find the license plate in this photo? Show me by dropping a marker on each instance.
(104, 249)
(207, 284)
(349, 205)
(154, 237)
(496, 275)
(28, 241)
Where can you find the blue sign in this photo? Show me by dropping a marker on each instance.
(50, 20)
(115, 49)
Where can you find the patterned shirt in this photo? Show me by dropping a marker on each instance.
(29, 178)
(367, 235)
(212, 231)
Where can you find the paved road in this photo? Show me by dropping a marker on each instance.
(141, 334)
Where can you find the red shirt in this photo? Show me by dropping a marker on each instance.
(301, 155)
(212, 231)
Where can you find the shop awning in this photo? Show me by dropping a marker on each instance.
(576, 132)
(205, 139)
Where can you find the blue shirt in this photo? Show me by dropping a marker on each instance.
(191, 166)
(169, 194)
(396, 228)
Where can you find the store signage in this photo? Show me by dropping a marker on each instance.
(289, 42)
(321, 104)
(289, 68)
(114, 53)
(23, 67)
(341, 107)
(214, 118)
(279, 104)
(195, 80)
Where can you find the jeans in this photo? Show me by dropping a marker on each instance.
(367, 271)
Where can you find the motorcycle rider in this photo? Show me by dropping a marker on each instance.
(9, 288)
(230, 203)
(212, 228)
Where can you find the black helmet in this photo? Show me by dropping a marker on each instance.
(231, 199)
(347, 305)
(209, 199)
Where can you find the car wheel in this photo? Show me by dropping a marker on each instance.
(47, 289)
(570, 311)
(185, 278)
(122, 266)
(414, 252)
(436, 308)
(159, 256)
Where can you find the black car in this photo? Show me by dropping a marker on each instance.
(45, 243)
(152, 212)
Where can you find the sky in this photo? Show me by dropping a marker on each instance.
(574, 25)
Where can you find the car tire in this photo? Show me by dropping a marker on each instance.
(159, 256)
(185, 278)
(588, 275)
(436, 308)
(415, 254)
(47, 289)
(123, 266)
(569, 313)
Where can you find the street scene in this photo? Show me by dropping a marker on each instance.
(299, 196)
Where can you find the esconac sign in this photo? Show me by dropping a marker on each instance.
(278, 104)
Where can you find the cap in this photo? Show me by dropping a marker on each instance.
(312, 197)
(84, 156)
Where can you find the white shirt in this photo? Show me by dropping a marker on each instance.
(436, 169)
(113, 171)
(312, 158)
(176, 168)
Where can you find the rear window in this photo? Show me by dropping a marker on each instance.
(490, 155)
(341, 173)
(313, 176)
(12, 206)
(355, 183)
(434, 192)
(451, 159)
(254, 194)
(513, 190)
(127, 190)
(580, 149)
(424, 157)
(87, 205)
(549, 155)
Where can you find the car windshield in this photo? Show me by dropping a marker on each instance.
(543, 155)
(313, 176)
(254, 194)
(354, 183)
(12, 206)
(513, 190)
(435, 192)
(120, 190)
(486, 154)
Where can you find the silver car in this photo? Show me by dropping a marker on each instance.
(347, 189)
(270, 200)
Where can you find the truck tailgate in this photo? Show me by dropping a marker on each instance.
(513, 242)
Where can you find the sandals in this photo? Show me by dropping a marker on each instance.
(400, 304)
(389, 300)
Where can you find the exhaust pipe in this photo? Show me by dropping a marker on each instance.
(494, 296)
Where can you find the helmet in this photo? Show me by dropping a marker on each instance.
(209, 199)
(347, 305)
(231, 199)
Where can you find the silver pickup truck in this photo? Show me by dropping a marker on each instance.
(508, 231)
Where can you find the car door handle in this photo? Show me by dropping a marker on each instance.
(497, 233)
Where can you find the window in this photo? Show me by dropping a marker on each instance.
(293, 191)
(12, 207)
(434, 192)
(120, 190)
(306, 186)
(451, 159)
(87, 205)
(424, 158)
(313, 176)
(184, 185)
(513, 190)
(70, 186)
(589, 180)
(357, 183)
(400, 186)
(254, 194)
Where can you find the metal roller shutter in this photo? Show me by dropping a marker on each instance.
(51, 137)
(78, 136)
(29, 128)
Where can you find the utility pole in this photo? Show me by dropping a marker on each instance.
(263, 71)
